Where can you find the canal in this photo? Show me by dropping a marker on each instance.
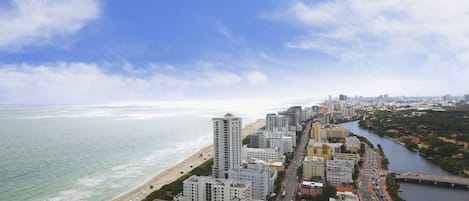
(401, 159)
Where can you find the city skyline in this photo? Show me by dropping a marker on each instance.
(98, 51)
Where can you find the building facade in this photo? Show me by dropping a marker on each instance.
(260, 177)
(254, 154)
(314, 167)
(204, 188)
(339, 172)
(274, 122)
(227, 140)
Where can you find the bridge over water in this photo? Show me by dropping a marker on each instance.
(428, 179)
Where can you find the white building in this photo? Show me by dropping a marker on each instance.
(275, 122)
(260, 177)
(254, 154)
(287, 144)
(204, 188)
(339, 172)
(226, 144)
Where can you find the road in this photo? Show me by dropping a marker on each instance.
(370, 184)
(291, 182)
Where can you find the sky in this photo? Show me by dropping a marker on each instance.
(103, 51)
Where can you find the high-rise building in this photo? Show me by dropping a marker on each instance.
(316, 132)
(274, 122)
(258, 139)
(314, 167)
(342, 97)
(204, 188)
(227, 143)
(258, 175)
(466, 97)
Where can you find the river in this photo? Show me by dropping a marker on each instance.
(401, 159)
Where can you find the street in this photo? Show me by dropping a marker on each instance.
(290, 182)
(370, 184)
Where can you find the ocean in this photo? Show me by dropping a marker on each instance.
(96, 152)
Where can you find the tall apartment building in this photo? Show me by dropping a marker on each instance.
(466, 97)
(227, 143)
(339, 172)
(316, 132)
(204, 188)
(314, 167)
(275, 122)
(258, 175)
(258, 139)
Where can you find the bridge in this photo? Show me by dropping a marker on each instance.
(437, 180)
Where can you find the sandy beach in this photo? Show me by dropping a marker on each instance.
(172, 173)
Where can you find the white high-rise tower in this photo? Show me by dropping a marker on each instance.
(226, 145)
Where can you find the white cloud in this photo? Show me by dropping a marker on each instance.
(30, 22)
(256, 78)
(75, 82)
(382, 28)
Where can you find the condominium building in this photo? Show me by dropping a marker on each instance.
(324, 150)
(275, 122)
(226, 144)
(314, 167)
(316, 131)
(253, 154)
(260, 177)
(287, 144)
(339, 172)
(258, 139)
(204, 188)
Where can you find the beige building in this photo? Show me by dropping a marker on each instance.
(316, 131)
(319, 150)
(337, 132)
(313, 167)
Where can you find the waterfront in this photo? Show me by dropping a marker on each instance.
(401, 159)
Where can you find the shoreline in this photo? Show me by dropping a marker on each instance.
(173, 172)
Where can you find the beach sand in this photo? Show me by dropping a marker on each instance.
(172, 173)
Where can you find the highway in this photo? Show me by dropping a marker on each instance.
(291, 182)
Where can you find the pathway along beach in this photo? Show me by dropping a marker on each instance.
(170, 174)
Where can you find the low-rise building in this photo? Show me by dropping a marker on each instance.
(202, 188)
(346, 156)
(352, 144)
(339, 172)
(314, 167)
(260, 176)
(254, 154)
(310, 188)
(337, 132)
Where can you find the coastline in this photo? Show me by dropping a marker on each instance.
(170, 174)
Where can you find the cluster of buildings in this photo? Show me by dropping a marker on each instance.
(249, 172)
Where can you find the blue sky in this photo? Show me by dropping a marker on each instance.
(97, 51)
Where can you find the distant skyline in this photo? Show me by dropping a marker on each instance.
(102, 51)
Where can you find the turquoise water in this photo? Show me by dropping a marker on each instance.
(82, 154)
